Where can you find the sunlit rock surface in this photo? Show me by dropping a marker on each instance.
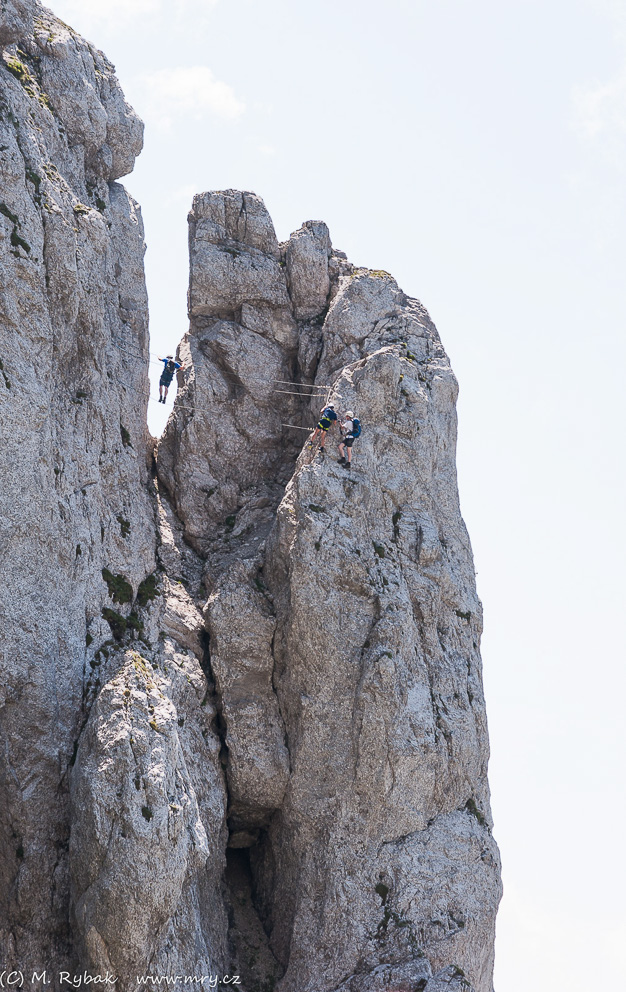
(241, 710)
(341, 607)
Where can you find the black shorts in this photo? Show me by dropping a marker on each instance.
(165, 380)
(348, 441)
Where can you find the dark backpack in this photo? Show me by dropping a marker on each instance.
(356, 427)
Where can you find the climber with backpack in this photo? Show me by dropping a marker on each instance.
(324, 424)
(351, 429)
(169, 368)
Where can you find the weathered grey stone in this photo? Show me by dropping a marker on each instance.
(234, 255)
(78, 504)
(233, 216)
(78, 535)
(16, 20)
(246, 696)
(138, 843)
(368, 310)
(382, 701)
(450, 979)
(307, 254)
(413, 976)
(222, 448)
(241, 625)
(225, 442)
(378, 853)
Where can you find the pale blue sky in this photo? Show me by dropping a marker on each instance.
(477, 151)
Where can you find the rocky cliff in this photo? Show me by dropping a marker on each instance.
(242, 719)
(75, 510)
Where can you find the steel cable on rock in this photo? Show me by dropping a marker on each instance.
(318, 390)
(176, 405)
(155, 360)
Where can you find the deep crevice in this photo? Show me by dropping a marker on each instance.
(249, 946)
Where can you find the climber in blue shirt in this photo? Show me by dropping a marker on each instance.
(169, 368)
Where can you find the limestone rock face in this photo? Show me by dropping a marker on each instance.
(342, 612)
(135, 805)
(78, 532)
(224, 275)
(241, 710)
(381, 699)
(307, 254)
(16, 20)
(227, 456)
(242, 626)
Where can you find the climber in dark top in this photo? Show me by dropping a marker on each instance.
(324, 424)
(169, 368)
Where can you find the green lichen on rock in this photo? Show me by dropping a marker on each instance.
(116, 622)
(17, 69)
(383, 891)
(120, 589)
(134, 623)
(18, 242)
(34, 178)
(124, 525)
(472, 808)
(22, 73)
(147, 590)
(9, 214)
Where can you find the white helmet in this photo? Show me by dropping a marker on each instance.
(349, 414)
